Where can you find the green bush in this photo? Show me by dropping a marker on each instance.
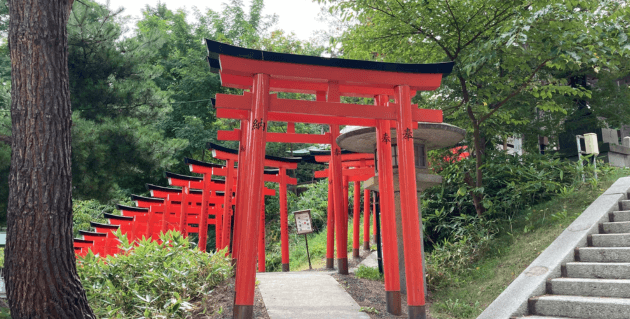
(470, 240)
(151, 280)
(510, 184)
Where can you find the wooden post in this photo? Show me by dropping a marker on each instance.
(356, 219)
(409, 206)
(366, 219)
(388, 224)
(227, 204)
(330, 225)
(253, 178)
(284, 220)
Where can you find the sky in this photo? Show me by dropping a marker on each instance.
(298, 16)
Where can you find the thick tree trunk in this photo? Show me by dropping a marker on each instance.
(40, 267)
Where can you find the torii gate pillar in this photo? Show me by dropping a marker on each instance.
(409, 206)
(254, 155)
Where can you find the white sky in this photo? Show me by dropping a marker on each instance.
(298, 16)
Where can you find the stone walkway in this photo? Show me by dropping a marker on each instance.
(306, 294)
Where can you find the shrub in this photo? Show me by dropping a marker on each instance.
(510, 185)
(369, 273)
(471, 238)
(151, 280)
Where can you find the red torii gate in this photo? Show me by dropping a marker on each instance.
(357, 167)
(195, 202)
(328, 78)
(282, 164)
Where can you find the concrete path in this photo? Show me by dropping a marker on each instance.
(306, 294)
(369, 261)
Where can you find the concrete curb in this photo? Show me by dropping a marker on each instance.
(533, 281)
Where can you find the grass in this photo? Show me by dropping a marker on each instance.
(515, 247)
(369, 273)
(316, 247)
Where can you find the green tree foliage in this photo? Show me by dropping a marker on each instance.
(181, 60)
(116, 157)
(108, 74)
(512, 184)
(505, 53)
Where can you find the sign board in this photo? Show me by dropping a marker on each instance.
(590, 141)
(303, 221)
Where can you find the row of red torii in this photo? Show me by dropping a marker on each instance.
(259, 73)
(163, 211)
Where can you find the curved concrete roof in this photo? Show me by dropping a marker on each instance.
(433, 135)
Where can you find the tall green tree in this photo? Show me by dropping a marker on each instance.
(118, 145)
(184, 70)
(504, 52)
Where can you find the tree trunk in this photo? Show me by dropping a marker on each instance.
(479, 150)
(40, 266)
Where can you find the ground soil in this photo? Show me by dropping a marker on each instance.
(370, 295)
(219, 303)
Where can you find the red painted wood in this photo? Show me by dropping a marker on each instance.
(227, 205)
(328, 109)
(356, 164)
(278, 137)
(388, 218)
(356, 216)
(281, 85)
(267, 162)
(341, 227)
(330, 220)
(261, 239)
(284, 216)
(366, 216)
(409, 200)
(242, 168)
(367, 171)
(203, 220)
(344, 76)
(253, 179)
(345, 157)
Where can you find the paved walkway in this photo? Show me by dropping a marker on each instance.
(306, 294)
(369, 261)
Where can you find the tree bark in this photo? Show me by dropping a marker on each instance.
(40, 267)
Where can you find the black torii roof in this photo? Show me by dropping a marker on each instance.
(213, 146)
(216, 48)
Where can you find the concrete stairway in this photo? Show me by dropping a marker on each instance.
(597, 284)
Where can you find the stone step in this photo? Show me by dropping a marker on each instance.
(596, 270)
(609, 240)
(614, 227)
(603, 254)
(624, 205)
(539, 317)
(617, 288)
(580, 307)
(620, 216)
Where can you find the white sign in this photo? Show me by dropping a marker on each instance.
(303, 221)
(590, 142)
